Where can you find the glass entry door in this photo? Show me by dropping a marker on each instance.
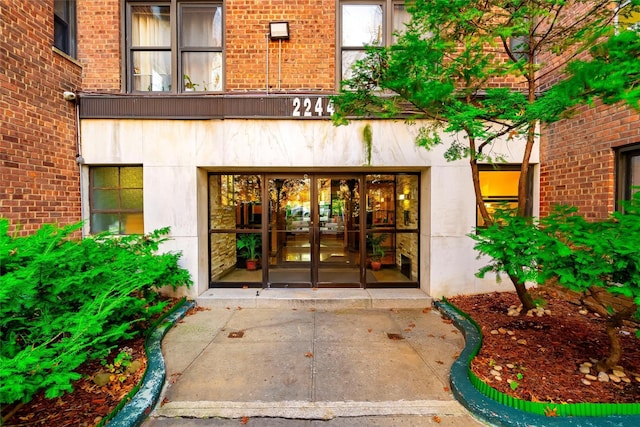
(313, 231)
(338, 234)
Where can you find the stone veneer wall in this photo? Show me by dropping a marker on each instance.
(223, 246)
(407, 244)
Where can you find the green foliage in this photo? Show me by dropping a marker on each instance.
(120, 364)
(447, 68)
(376, 241)
(443, 68)
(513, 244)
(248, 244)
(580, 254)
(64, 300)
(367, 136)
(603, 254)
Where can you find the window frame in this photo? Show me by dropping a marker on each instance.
(176, 49)
(65, 27)
(388, 10)
(508, 199)
(623, 175)
(119, 211)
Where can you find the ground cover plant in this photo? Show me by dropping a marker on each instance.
(64, 301)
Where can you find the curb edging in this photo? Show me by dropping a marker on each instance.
(135, 412)
(493, 412)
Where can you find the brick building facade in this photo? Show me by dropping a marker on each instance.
(39, 175)
(190, 114)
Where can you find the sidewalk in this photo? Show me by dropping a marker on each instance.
(310, 361)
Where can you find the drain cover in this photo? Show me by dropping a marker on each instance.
(238, 334)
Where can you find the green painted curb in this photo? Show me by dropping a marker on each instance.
(499, 414)
(135, 412)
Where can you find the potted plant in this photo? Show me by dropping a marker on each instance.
(248, 245)
(189, 86)
(377, 253)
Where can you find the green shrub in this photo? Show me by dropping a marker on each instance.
(64, 300)
(588, 257)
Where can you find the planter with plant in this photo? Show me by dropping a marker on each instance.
(189, 86)
(377, 252)
(248, 245)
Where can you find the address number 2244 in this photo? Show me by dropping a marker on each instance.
(308, 107)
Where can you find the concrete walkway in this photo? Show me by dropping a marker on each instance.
(330, 357)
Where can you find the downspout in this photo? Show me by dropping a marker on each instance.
(80, 162)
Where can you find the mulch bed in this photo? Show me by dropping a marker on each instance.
(542, 355)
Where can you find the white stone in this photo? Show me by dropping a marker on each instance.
(585, 370)
(603, 377)
(586, 382)
(618, 373)
(591, 377)
(614, 378)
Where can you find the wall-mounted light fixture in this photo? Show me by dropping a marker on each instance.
(279, 30)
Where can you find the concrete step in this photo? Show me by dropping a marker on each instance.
(306, 410)
(321, 298)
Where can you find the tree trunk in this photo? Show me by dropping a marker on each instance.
(615, 349)
(475, 175)
(523, 294)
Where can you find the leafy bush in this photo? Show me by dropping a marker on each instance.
(586, 257)
(63, 301)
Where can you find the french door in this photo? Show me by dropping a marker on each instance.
(314, 231)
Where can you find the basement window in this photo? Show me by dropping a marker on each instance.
(116, 199)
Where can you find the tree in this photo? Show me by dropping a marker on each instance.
(452, 64)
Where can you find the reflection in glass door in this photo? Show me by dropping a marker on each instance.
(290, 231)
(314, 230)
(337, 243)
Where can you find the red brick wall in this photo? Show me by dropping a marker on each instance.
(307, 59)
(577, 158)
(39, 177)
(99, 31)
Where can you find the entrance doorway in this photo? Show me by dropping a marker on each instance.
(314, 230)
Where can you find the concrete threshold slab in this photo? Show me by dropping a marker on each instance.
(308, 410)
(322, 298)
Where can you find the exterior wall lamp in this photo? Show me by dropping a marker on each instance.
(279, 30)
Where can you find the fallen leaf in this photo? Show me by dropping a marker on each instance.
(412, 325)
(407, 330)
(446, 389)
(308, 354)
(164, 401)
(436, 419)
(239, 308)
(369, 330)
(439, 362)
(245, 287)
(426, 309)
(245, 420)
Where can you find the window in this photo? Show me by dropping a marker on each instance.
(160, 61)
(499, 188)
(628, 174)
(116, 199)
(367, 23)
(64, 26)
(628, 19)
